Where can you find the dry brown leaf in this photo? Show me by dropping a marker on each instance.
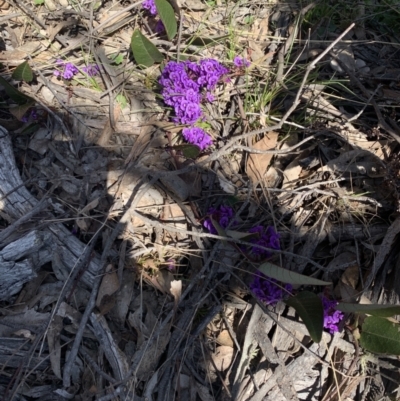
(53, 30)
(50, 5)
(25, 333)
(165, 279)
(108, 129)
(53, 339)
(342, 261)
(351, 275)
(109, 285)
(4, 5)
(124, 296)
(224, 338)
(176, 217)
(83, 223)
(291, 174)
(257, 164)
(222, 358)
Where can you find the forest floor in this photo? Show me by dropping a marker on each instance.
(131, 258)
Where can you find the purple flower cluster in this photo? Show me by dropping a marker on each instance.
(91, 69)
(332, 317)
(240, 62)
(223, 215)
(68, 70)
(197, 136)
(268, 290)
(185, 85)
(267, 237)
(150, 5)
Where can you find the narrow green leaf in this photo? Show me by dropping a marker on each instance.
(287, 276)
(30, 129)
(380, 335)
(144, 52)
(220, 230)
(15, 94)
(23, 72)
(369, 309)
(240, 235)
(207, 41)
(309, 307)
(167, 16)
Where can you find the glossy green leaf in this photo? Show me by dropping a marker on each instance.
(167, 15)
(380, 335)
(144, 52)
(309, 307)
(369, 309)
(287, 276)
(14, 93)
(189, 151)
(23, 72)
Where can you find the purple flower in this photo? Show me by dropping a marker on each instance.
(30, 116)
(68, 70)
(160, 28)
(268, 290)
(240, 62)
(91, 69)
(332, 317)
(223, 215)
(197, 136)
(150, 5)
(267, 238)
(183, 86)
(171, 265)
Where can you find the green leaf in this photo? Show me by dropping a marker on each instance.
(189, 151)
(220, 230)
(207, 41)
(240, 235)
(309, 307)
(118, 58)
(38, 2)
(30, 129)
(15, 94)
(121, 99)
(380, 335)
(369, 309)
(144, 52)
(167, 16)
(287, 276)
(23, 72)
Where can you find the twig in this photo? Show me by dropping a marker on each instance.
(381, 121)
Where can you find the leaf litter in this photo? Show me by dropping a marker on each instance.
(121, 291)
